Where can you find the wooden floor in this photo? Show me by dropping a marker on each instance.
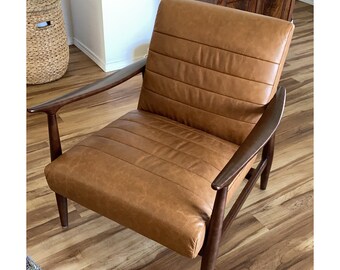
(274, 230)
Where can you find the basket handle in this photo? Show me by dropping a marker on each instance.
(43, 24)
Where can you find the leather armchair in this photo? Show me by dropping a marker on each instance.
(209, 103)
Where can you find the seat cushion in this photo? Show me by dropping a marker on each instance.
(150, 174)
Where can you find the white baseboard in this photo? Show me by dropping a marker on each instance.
(311, 2)
(106, 67)
(81, 46)
(111, 66)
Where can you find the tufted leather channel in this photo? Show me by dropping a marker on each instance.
(210, 72)
(150, 174)
(213, 68)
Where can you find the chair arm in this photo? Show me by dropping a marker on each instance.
(257, 138)
(52, 106)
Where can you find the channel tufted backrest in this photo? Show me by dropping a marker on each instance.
(213, 68)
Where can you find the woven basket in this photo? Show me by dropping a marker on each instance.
(47, 50)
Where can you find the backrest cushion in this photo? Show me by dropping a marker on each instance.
(213, 68)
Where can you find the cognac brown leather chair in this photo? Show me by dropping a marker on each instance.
(209, 103)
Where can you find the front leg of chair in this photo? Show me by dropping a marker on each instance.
(55, 151)
(210, 251)
(62, 209)
(267, 153)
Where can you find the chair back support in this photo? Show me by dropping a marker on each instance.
(213, 68)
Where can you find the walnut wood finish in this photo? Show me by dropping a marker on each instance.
(213, 238)
(52, 106)
(55, 151)
(282, 9)
(267, 154)
(218, 226)
(250, 173)
(261, 133)
(243, 196)
(62, 209)
(247, 5)
(274, 229)
(53, 135)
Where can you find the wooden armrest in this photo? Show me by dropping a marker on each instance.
(52, 106)
(257, 138)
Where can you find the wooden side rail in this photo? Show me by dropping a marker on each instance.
(262, 136)
(52, 106)
(258, 137)
(243, 196)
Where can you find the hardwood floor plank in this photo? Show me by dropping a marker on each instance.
(267, 253)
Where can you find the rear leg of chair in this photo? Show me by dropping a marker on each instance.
(62, 208)
(267, 153)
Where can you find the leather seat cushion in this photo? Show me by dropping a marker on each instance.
(150, 174)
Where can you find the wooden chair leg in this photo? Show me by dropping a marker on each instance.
(214, 232)
(62, 208)
(267, 153)
(55, 151)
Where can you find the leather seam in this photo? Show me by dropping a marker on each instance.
(211, 150)
(236, 120)
(204, 89)
(167, 120)
(147, 171)
(159, 32)
(151, 155)
(224, 73)
(162, 144)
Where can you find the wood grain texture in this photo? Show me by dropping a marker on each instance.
(275, 8)
(274, 229)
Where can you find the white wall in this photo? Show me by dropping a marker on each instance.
(87, 25)
(128, 27)
(112, 33)
(66, 8)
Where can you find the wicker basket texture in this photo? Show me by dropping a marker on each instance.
(47, 50)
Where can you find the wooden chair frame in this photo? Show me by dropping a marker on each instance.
(262, 136)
